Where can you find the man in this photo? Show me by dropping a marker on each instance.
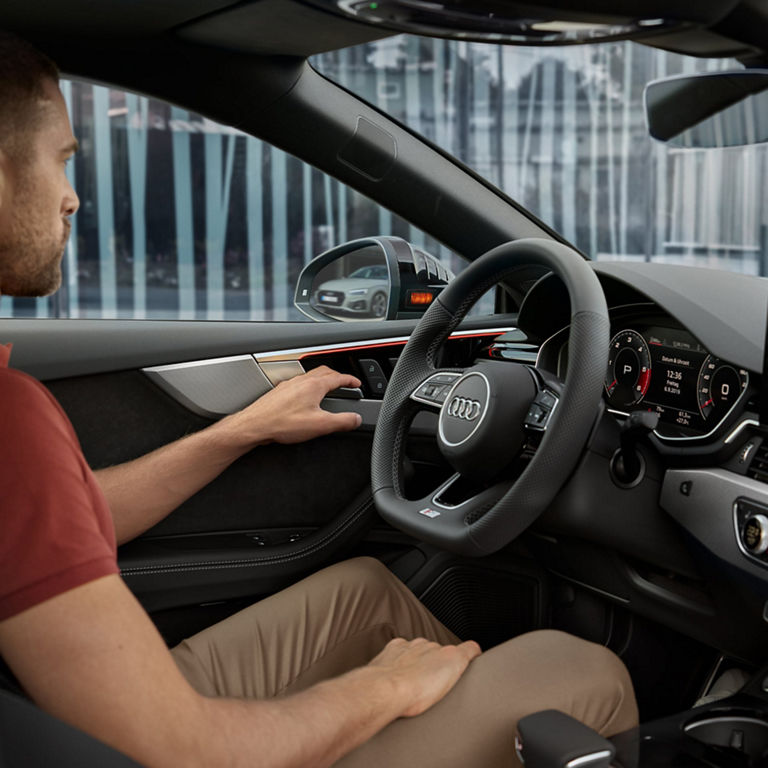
(345, 667)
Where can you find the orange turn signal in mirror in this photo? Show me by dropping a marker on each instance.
(420, 298)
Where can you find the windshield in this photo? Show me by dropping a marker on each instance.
(562, 131)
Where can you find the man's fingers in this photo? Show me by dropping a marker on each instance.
(344, 422)
(471, 649)
(334, 379)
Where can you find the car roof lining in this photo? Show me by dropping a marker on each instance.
(104, 18)
(291, 27)
(275, 26)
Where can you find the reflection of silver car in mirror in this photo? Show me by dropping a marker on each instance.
(364, 292)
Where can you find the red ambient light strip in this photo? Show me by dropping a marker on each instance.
(492, 334)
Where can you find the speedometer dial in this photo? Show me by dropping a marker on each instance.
(720, 385)
(629, 369)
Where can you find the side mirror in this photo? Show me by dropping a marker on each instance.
(712, 109)
(374, 278)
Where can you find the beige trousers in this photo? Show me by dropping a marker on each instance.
(341, 617)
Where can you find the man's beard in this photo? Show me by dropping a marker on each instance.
(30, 259)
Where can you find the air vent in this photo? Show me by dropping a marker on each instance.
(758, 468)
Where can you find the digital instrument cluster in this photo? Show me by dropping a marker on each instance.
(667, 371)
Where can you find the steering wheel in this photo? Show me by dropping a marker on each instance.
(512, 436)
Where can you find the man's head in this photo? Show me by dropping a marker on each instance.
(36, 198)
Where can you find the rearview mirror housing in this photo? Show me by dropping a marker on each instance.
(710, 109)
(373, 278)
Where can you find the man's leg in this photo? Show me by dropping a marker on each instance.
(341, 617)
(474, 725)
(323, 626)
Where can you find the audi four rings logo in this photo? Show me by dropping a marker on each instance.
(464, 408)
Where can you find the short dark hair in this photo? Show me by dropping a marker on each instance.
(23, 72)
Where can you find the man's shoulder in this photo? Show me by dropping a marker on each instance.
(15, 383)
(18, 383)
(24, 399)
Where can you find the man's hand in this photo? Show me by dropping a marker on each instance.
(424, 671)
(291, 412)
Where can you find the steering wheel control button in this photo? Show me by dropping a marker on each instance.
(540, 411)
(535, 416)
(685, 487)
(444, 378)
(435, 389)
(547, 399)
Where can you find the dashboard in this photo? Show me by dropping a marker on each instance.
(685, 344)
(656, 365)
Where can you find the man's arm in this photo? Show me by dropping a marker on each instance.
(92, 657)
(144, 491)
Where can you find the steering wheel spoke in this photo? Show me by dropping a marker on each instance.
(469, 495)
(456, 503)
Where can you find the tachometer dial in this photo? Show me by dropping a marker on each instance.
(629, 369)
(720, 385)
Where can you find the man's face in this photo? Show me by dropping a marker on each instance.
(36, 201)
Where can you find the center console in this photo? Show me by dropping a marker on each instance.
(730, 733)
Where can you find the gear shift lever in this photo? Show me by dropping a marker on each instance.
(552, 739)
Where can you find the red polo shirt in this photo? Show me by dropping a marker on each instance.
(56, 531)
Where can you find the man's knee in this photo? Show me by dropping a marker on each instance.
(368, 573)
(358, 576)
(548, 669)
(594, 673)
(601, 665)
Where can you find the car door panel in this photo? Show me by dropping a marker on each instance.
(276, 514)
(55, 349)
(279, 512)
(171, 571)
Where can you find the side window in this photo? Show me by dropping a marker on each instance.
(183, 218)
